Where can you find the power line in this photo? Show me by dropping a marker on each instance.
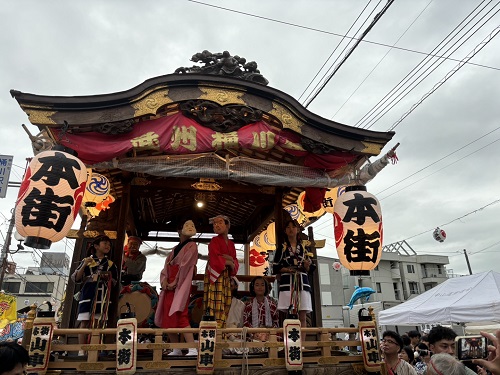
(380, 61)
(420, 65)
(344, 59)
(437, 161)
(458, 218)
(422, 70)
(450, 74)
(336, 34)
(439, 170)
(335, 49)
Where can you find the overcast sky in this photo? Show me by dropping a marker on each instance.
(95, 47)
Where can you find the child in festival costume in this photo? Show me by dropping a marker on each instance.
(175, 279)
(262, 311)
(222, 264)
(293, 264)
(99, 274)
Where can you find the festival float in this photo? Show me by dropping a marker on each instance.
(205, 140)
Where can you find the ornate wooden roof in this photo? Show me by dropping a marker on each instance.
(222, 104)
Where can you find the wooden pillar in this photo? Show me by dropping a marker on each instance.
(28, 326)
(118, 251)
(68, 317)
(316, 292)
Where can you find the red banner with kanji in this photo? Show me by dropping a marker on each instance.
(178, 134)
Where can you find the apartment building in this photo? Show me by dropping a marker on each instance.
(400, 275)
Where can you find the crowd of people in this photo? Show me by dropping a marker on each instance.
(434, 354)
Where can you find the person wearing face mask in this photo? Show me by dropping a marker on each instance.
(222, 264)
(175, 280)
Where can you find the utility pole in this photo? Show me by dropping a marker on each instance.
(5, 248)
(467, 260)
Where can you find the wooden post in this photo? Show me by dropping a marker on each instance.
(69, 301)
(118, 252)
(28, 326)
(316, 292)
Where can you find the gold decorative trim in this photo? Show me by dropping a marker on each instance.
(222, 97)
(287, 118)
(222, 345)
(94, 347)
(157, 365)
(40, 117)
(92, 234)
(222, 364)
(274, 362)
(328, 360)
(149, 103)
(372, 148)
(207, 184)
(91, 366)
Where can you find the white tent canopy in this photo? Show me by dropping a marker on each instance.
(466, 299)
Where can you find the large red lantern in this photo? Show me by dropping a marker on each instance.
(50, 197)
(358, 230)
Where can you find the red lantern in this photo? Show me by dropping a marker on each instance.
(358, 230)
(49, 197)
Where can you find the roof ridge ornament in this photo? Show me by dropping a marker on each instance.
(224, 64)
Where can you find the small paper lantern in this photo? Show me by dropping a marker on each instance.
(97, 190)
(49, 197)
(439, 234)
(358, 230)
(336, 266)
(300, 204)
(101, 206)
(331, 196)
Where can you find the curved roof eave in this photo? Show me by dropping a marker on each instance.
(54, 111)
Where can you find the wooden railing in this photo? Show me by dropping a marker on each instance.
(323, 351)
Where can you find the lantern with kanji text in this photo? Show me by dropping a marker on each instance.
(358, 230)
(331, 196)
(50, 196)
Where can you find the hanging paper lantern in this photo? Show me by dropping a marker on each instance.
(439, 234)
(271, 233)
(258, 262)
(265, 242)
(294, 211)
(300, 204)
(331, 196)
(101, 206)
(336, 266)
(358, 230)
(49, 197)
(256, 242)
(97, 190)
